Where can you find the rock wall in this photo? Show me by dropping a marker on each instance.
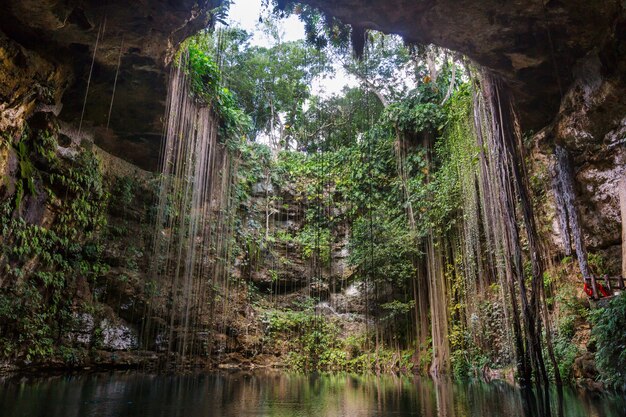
(591, 126)
(73, 252)
(280, 265)
(51, 51)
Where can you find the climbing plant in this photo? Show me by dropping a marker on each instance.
(47, 261)
(608, 330)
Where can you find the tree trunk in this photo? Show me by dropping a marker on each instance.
(451, 85)
(431, 62)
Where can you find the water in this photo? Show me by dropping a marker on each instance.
(282, 395)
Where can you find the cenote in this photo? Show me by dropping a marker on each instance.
(282, 394)
(314, 208)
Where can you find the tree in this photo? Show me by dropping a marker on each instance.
(270, 84)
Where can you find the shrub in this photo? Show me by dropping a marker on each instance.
(572, 313)
(610, 336)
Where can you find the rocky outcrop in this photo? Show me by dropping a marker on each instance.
(28, 83)
(586, 373)
(591, 126)
(109, 334)
(279, 262)
(51, 51)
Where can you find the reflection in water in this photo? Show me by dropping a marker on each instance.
(281, 395)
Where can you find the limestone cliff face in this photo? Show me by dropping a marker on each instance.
(591, 125)
(278, 263)
(51, 50)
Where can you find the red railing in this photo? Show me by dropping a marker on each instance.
(604, 287)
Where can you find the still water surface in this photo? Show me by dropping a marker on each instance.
(284, 395)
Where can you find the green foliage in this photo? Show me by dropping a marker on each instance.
(416, 114)
(26, 167)
(367, 174)
(203, 72)
(270, 85)
(255, 163)
(123, 192)
(314, 241)
(321, 30)
(397, 307)
(207, 87)
(26, 178)
(316, 339)
(481, 342)
(426, 356)
(315, 343)
(84, 214)
(597, 264)
(383, 249)
(572, 313)
(461, 364)
(44, 263)
(610, 335)
(332, 123)
(457, 156)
